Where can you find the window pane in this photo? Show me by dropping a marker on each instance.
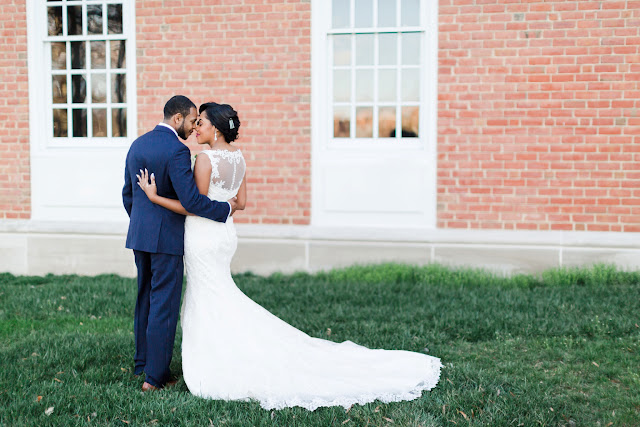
(98, 88)
(386, 122)
(411, 49)
(59, 56)
(342, 50)
(54, 21)
(59, 89)
(78, 56)
(387, 13)
(78, 89)
(410, 13)
(341, 85)
(118, 88)
(94, 19)
(387, 49)
(98, 55)
(387, 85)
(364, 13)
(410, 122)
(364, 85)
(364, 49)
(364, 122)
(119, 122)
(340, 13)
(341, 122)
(115, 18)
(74, 20)
(411, 85)
(118, 57)
(79, 117)
(59, 123)
(99, 116)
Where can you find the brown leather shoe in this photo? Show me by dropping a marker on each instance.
(148, 387)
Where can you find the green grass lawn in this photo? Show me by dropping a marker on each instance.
(561, 348)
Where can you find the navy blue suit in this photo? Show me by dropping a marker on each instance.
(156, 236)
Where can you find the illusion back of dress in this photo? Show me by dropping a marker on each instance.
(227, 172)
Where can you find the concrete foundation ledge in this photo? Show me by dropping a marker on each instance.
(31, 247)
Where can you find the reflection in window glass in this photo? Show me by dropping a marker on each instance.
(74, 20)
(119, 122)
(341, 10)
(118, 57)
(364, 122)
(342, 50)
(387, 49)
(58, 56)
(410, 122)
(79, 118)
(94, 19)
(386, 122)
(78, 55)
(98, 57)
(59, 89)
(364, 85)
(410, 12)
(114, 22)
(118, 88)
(341, 122)
(364, 13)
(386, 13)
(59, 123)
(387, 85)
(98, 88)
(411, 85)
(411, 49)
(99, 122)
(78, 89)
(364, 49)
(54, 21)
(341, 85)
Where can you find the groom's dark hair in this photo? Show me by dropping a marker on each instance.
(178, 104)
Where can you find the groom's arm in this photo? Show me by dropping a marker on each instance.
(185, 187)
(127, 191)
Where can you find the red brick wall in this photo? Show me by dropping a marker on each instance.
(254, 55)
(539, 115)
(15, 187)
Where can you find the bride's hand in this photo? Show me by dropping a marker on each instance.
(150, 189)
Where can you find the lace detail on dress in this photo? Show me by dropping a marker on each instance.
(227, 172)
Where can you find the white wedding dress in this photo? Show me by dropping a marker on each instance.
(233, 349)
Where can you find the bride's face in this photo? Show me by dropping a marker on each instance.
(204, 130)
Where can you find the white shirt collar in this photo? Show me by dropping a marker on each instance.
(167, 126)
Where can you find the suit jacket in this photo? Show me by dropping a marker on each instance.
(153, 228)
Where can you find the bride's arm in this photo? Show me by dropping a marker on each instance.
(242, 194)
(202, 173)
(151, 191)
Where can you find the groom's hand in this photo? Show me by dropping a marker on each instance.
(234, 204)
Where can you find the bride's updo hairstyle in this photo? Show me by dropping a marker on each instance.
(224, 118)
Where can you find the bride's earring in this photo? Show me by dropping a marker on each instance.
(215, 135)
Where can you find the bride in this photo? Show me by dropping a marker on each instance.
(232, 348)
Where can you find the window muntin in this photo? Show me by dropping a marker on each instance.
(375, 58)
(86, 46)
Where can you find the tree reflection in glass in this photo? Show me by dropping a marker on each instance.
(114, 13)
(119, 122)
(59, 123)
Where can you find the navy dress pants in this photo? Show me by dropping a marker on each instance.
(156, 314)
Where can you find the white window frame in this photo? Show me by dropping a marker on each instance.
(325, 146)
(40, 77)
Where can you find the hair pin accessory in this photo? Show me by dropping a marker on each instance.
(231, 124)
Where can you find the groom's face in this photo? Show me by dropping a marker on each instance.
(188, 124)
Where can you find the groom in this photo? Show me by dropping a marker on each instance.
(156, 234)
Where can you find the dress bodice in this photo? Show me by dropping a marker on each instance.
(227, 172)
